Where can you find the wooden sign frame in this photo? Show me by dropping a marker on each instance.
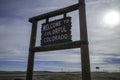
(83, 43)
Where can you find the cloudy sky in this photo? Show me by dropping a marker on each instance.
(103, 22)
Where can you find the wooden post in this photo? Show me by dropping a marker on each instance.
(30, 65)
(47, 20)
(64, 15)
(84, 37)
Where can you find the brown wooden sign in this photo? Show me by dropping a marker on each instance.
(58, 31)
(56, 35)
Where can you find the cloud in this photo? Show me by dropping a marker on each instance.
(102, 40)
(15, 34)
(65, 56)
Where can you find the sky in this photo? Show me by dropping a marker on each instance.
(103, 35)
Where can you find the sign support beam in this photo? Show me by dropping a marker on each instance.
(84, 48)
(31, 53)
(60, 46)
(55, 13)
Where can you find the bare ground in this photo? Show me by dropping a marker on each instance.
(58, 75)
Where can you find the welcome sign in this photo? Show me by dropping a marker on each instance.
(57, 31)
(56, 35)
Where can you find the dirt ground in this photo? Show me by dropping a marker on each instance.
(58, 75)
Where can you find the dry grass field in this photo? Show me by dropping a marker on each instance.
(58, 76)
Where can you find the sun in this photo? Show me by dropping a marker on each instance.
(112, 18)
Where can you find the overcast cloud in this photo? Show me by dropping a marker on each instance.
(15, 34)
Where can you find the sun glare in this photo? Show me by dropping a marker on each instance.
(112, 18)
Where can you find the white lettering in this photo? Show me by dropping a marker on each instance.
(55, 38)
